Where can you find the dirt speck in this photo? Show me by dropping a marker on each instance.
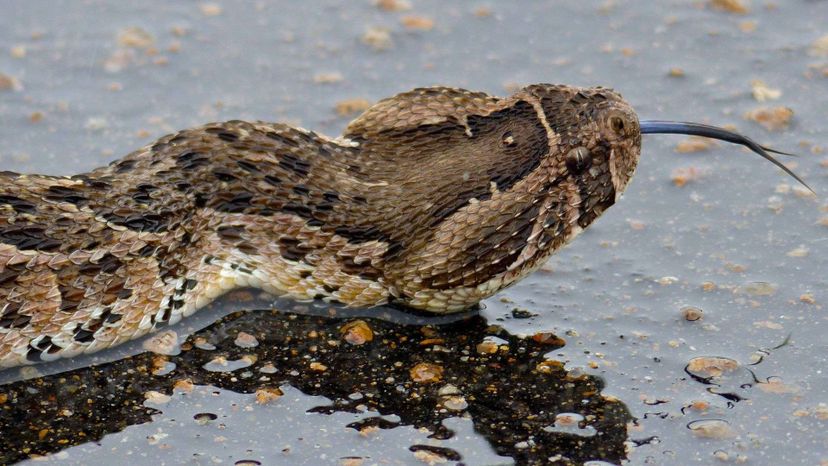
(378, 38)
(135, 37)
(683, 175)
(350, 107)
(819, 48)
(328, 77)
(694, 144)
(417, 23)
(18, 51)
(807, 298)
(393, 5)
(9, 83)
(739, 7)
(747, 26)
(762, 92)
(482, 11)
(210, 9)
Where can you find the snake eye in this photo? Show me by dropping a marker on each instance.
(508, 139)
(617, 124)
(578, 160)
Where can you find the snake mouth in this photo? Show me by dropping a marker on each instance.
(714, 132)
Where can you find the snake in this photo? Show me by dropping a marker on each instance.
(433, 199)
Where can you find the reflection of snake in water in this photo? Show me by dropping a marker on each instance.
(507, 389)
(433, 199)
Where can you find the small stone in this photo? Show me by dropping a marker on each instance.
(819, 48)
(730, 6)
(9, 83)
(393, 5)
(357, 332)
(455, 403)
(482, 12)
(821, 412)
(548, 339)
(417, 23)
(692, 314)
(135, 37)
(378, 38)
(761, 92)
(204, 418)
(700, 405)
(711, 366)
(268, 395)
(801, 251)
(184, 385)
(777, 386)
(712, 428)
(165, 343)
(758, 289)
(807, 298)
(351, 461)
(349, 107)
(694, 144)
(429, 457)
(246, 340)
(747, 26)
(328, 78)
(426, 372)
(676, 72)
(96, 124)
(487, 347)
(771, 118)
(708, 286)
(210, 9)
(548, 367)
(18, 51)
(683, 175)
(318, 367)
(155, 397)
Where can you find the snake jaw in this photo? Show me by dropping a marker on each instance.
(714, 132)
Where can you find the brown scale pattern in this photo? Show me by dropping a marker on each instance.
(433, 199)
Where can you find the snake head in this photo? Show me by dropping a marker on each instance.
(598, 125)
(597, 140)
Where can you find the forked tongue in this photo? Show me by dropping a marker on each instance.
(714, 132)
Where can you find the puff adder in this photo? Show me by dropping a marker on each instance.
(433, 199)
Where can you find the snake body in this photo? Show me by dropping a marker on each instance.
(432, 199)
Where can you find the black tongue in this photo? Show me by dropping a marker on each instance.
(714, 132)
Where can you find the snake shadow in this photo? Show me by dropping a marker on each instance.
(505, 384)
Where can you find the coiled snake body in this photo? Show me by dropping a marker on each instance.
(433, 199)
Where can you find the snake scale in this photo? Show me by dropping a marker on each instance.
(433, 199)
